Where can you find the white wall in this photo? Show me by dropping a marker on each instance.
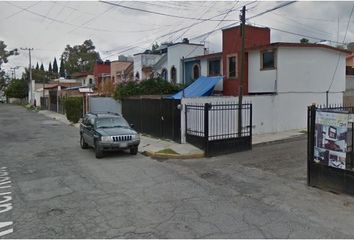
(143, 60)
(310, 70)
(260, 81)
(298, 70)
(175, 54)
(271, 113)
(138, 65)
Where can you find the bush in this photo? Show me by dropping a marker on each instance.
(73, 108)
(17, 89)
(155, 86)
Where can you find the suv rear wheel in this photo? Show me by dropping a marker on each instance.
(83, 144)
(134, 150)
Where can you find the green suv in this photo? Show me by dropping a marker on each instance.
(107, 132)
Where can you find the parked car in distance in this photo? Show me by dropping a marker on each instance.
(107, 132)
(2, 99)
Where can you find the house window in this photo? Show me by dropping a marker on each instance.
(231, 64)
(173, 75)
(214, 68)
(196, 71)
(137, 76)
(164, 74)
(268, 59)
(90, 81)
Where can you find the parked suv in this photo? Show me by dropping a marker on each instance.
(107, 132)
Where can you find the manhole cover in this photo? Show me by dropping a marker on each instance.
(55, 212)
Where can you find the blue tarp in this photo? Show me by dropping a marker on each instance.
(203, 86)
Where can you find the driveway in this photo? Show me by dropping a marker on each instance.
(59, 190)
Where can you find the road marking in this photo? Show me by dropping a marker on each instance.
(8, 231)
(5, 201)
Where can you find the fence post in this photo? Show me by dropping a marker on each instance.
(206, 127)
(311, 121)
(251, 123)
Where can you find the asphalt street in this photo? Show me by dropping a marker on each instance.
(54, 189)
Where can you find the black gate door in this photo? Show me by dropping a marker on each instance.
(214, 128)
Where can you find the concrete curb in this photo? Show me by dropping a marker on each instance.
(279, 140)
(173, 156)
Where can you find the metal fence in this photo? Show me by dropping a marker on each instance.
(330, 154)
(214, 127)
(157, 117)
(44, 103)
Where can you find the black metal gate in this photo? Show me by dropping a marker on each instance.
(214, 128)
(319, 172)
(157, 117)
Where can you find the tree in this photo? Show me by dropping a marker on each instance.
(50, 70)
(154, 46)
(17, 88)
(55, 66)
(37, 66)
(62, 68)
(304, 40)
(80, 58)
(4, 55)
(41, 67)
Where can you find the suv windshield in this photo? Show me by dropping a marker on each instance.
(111, 122)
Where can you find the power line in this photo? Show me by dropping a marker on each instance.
(272, 9)
(16, 13)
(335, 70)
(159, 13)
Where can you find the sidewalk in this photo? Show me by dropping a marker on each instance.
(159, 148)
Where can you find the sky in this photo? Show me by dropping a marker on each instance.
(129, 27)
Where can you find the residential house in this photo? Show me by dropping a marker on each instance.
(231, 51)
(121, 71)
(208, 65)
(349, 83)
(86, 78)
(166, 61)
(102, 73)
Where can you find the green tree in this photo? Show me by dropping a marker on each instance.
(17, 88)
(37, 66)
(4, 55)
(80, 58)
(62, 68)
(55, 66)
(304, 40)
(41, 67)
(154, 46)
(50, 70)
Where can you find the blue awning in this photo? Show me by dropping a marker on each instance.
(203, 86)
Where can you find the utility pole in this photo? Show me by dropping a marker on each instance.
(30, 75)
(242, 57)
(183, 77)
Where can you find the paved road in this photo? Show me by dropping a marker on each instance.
(61, 191)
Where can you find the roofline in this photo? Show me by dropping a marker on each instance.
(210, 55)
(180, 43)
(300, 45)
(247, 25)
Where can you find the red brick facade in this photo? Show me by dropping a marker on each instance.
(231, 43)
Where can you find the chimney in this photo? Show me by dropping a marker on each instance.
(185, 40)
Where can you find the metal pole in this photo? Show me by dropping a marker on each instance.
(30, 74)
(183, 77)
(243, 20)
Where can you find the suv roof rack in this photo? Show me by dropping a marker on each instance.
(104, 112)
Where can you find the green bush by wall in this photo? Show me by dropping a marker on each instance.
(73, 108)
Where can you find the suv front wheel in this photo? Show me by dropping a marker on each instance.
(98, 151)
(134, 150)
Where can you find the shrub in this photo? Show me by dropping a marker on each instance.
(17, 89)
(73, 108)
(153, 86)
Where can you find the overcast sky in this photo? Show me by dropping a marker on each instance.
(48, 26)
